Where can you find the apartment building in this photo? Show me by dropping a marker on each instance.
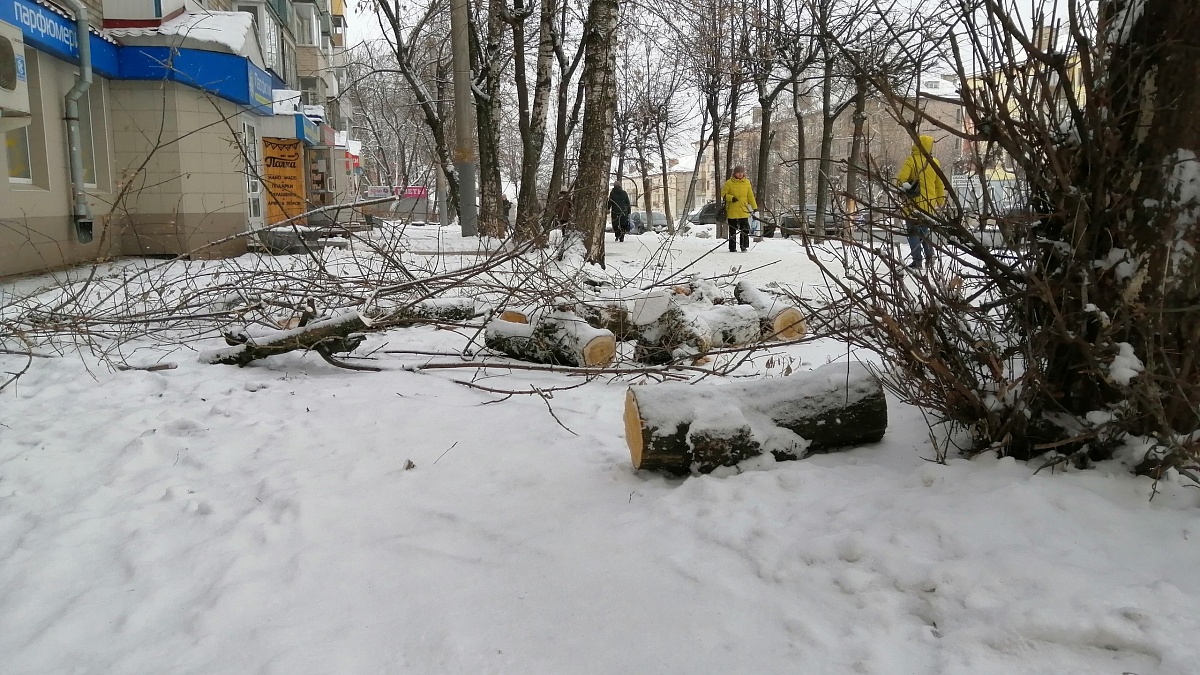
(164, 127)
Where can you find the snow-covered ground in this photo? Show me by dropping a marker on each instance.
(212, 519)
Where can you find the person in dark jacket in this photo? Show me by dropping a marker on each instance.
(618, 210)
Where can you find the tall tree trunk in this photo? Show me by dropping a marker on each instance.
(827, 120)
(595, 150)
(564, 122)
(856, 169)
(487, 107)
(801, 149)
(1155, 200)
(533, 119)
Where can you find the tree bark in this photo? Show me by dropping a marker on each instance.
(680, 428)
(595, 151)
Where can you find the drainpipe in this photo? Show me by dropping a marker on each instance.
(81, 212)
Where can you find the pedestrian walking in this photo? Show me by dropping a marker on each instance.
(618, 210)
(921, 183)
(739, 203)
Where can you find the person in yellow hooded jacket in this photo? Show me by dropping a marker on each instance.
(921, 183)
(739, 202)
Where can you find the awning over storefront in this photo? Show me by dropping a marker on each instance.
(231, 76)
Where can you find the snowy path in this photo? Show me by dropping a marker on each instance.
(260, 520)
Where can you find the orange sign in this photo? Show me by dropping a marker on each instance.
(283, 179)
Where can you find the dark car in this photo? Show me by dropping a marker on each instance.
(706, 215)
(637, 224)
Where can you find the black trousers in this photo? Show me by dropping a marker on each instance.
(736, 226)
(620, 226)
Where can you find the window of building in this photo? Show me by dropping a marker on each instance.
(20, 164)
(309, 91)
(252, 10)
(306, 25)
(26, 147)
(253, 186)
(270, 45)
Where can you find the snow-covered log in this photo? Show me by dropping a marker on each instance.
(609, 314)
(692, 329)
(556, 337)
(680, 428)
(337, 335)
(780, 319)
(438, 309)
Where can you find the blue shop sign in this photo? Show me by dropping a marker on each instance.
(55, 35)
(229, 76)
(307, 130)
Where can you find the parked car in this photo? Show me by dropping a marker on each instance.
(637, 225)
(705, 215)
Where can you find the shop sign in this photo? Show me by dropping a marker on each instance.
(283, 179)
(412, 192)
(378, 191)
(328, 136)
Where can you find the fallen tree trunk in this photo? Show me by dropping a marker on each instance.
(558, 337)
(780, 319)
(338, 335)
(681, 428)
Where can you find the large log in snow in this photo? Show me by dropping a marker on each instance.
(681, 428)
(558, 337)
(780, 319)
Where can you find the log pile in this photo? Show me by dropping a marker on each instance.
(680, 428)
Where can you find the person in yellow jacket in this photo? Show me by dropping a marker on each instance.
(925, 193)
(739, 202)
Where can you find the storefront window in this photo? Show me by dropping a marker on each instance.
(20, 168)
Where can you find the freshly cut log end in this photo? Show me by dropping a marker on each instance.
(599, 351)
(514, 316)
(633, 429)
(789, 324)
(781, 320)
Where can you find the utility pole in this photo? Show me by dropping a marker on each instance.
(464, 145)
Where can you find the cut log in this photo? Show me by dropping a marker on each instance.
(610, 314)
(692, 329)
(558, 338)
(780, 319)
(680, 428)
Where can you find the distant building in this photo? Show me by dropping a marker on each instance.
(188, 134)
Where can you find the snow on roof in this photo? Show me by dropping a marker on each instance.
(231, 32)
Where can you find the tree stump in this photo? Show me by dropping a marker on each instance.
(556, 338)
(780, 319)
(680, 428)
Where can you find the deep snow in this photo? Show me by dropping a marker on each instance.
(212, 519)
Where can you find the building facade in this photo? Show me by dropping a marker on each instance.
(177, 106)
